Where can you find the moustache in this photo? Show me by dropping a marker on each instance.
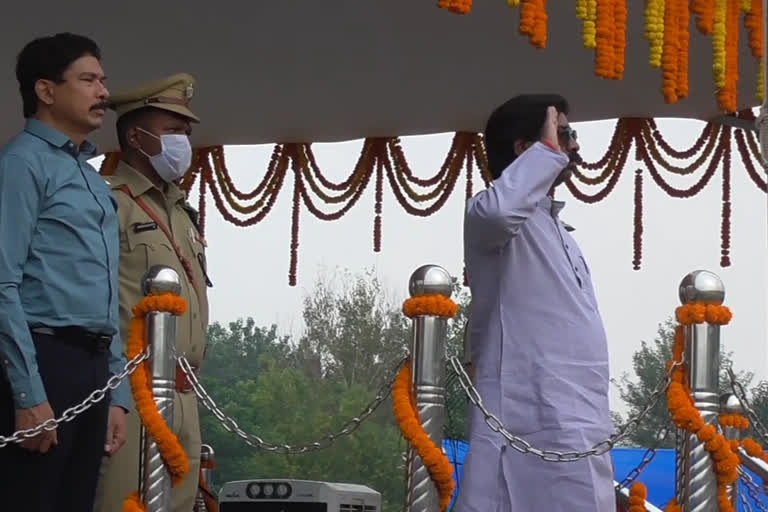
(100, 106)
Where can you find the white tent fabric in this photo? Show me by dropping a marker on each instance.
(292, 70)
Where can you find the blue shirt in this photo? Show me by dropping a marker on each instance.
(59, 250)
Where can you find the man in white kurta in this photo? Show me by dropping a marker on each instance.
(539, 350)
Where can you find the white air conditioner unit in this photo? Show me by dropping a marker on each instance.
(285, 495)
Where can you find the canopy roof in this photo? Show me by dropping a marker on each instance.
(292, 70)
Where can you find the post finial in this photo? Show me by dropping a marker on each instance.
(702, 287)
(730, 404)
(429, 280)
(160, 279)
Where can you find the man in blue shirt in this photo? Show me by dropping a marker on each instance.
(59, 250)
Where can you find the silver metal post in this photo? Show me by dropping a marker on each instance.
(428, 359)
(730, 404)
(680, 438)
(161, 337)
(702, 358)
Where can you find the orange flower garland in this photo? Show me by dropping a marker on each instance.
(432, 305)
(456, 6)
(604, 28)
(407, 416)
(673, 506)
(605, 55)
(670, 56)
(683, 49)
(170, 448)
(705, 15)
(754, 449)
(684, 413)
(619, 38)
(637, 496)
(736, 421)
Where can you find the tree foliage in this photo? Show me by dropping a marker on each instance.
(290, 390)
(649, 368)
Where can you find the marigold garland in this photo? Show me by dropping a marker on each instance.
(683, 49)
(438, 466)
(654, 30)
(736, 421)
(605, 52)
(728, 93)
(670, 58)
(667, 31)
(170, 448)
(754, 449)
(684, 413)
(673, 506)
(719, 42)
(619, 38)
(705, 15)
(430, 305)
(637, 496)
(456, 6)
(245, 208)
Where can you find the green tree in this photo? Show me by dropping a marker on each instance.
(296, 390)
(649, 368)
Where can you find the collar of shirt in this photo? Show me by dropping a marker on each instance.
(139, 184)
(57, 139)
(554, 208)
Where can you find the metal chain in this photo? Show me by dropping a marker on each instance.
(648, 457)
(741, 394)
(753, 490)
(74, 411)
(256, 442)
(524, 447)
(745, 504)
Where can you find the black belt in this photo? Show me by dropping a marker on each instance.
(93, 342)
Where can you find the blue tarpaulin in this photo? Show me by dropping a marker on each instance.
(658, 476)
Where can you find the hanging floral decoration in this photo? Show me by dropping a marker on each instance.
(637, 496)
(383, 163)
(667, 22)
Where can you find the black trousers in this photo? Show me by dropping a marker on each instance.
(65, 478)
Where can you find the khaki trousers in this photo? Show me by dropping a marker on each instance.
(119, 475)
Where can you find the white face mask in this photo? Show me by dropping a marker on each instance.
(174, 158)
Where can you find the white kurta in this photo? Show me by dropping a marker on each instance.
(539, 349)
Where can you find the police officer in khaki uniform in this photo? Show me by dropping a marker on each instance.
(158, 227)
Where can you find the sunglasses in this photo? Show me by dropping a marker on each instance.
(567, 132)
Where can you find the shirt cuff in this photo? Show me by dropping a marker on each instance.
(121, 396)
(28, 392)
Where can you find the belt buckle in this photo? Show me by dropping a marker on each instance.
(102, 342)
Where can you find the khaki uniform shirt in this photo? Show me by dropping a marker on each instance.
(144, 244)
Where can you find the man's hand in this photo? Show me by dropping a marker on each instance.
(116, 431)
(31, 418)
(551, 125)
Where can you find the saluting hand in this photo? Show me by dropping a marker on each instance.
(551, 126)
(116, 431)
(32, 417)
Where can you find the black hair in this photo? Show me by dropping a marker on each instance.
(47, 58)
(521, 118)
